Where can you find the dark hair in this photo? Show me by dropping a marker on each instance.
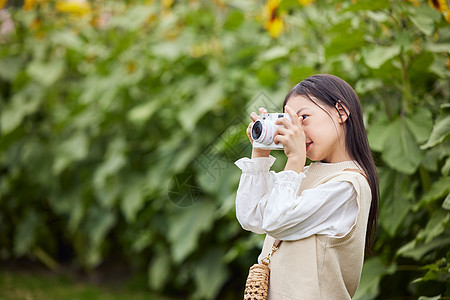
(331, 90)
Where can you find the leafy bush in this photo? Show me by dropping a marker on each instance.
(121, 120)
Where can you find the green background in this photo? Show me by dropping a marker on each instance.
(120, 126)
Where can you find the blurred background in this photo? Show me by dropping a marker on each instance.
(121, 121)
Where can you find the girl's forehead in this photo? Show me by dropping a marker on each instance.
(301, 102)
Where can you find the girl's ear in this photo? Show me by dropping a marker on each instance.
(343, 112)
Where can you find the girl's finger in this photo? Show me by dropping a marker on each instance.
(279, 139)
(254, 116)
(294, 118)
(280, 131)
(284, 121)
(262, 110)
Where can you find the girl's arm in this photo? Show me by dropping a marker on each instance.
(268, 202)
(255, 184)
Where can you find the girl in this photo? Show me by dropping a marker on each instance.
(325, 213)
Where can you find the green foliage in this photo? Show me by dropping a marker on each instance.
(119, 130)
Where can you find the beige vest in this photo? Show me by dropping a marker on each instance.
(322, 267)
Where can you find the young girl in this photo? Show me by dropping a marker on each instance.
(325, 214)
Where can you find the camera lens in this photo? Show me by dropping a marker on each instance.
(256, 130)
(262, 132)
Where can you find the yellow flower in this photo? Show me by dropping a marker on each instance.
(29, 4)
(273, 22)
(271, 7)
(442, 7)
(131, 67)
(276, 27)
(79, 7)
(3, 3)
(306, 2)
(166, 3)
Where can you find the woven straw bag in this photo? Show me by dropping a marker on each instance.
(257, 284)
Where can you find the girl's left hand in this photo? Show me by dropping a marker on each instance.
(291, 136)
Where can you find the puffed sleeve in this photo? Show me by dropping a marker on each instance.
(255, 183)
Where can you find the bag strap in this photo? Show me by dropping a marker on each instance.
(275, 247)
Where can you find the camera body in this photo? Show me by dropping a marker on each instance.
(263, 130)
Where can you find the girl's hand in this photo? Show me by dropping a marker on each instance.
(255, 117)
(292, 137)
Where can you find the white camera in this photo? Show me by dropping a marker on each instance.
(264, 129)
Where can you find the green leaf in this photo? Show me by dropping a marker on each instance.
(435, 226)
(267, 76)
(22, 104)
(439, 189)
(273, 54)
(397, 192)
(25, 235)
(9, 68)
(378, 132)
(403, 39)
(400, 149)
(210, 274)
(424, 18)
(371, 5)
(68, 39)
(446, 167)
(46, 73)
(159, 270)
(234, 20)
(438, 47)
(417, 251)
(378, 55)
(420, 65)
(143, 112)
(186, 226)
(105, 179)
(441, 131)
(70, 150)
(344, 43)
(134, 18)
(446, 203)
(207, 99)
(430, 298)
(133, 199)
(373, 271)
(98, 223)
(366, 85)
(420, 124)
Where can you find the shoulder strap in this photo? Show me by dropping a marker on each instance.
(359, 171)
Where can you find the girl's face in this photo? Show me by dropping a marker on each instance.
(324, 130)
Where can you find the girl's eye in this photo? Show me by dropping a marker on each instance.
(304, 116)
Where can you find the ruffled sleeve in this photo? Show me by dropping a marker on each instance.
(259, 187)
(257, 164)
(254, 186)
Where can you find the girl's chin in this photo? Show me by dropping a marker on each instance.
(312, 157)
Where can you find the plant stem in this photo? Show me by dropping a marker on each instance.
(46, 259)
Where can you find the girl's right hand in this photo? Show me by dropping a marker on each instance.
(255, 117)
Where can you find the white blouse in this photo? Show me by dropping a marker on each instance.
(268, 202)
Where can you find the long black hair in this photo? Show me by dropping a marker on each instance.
(333, 91)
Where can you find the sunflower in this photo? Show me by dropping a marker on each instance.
(442, 7)
(78, 7)
(273, 21)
